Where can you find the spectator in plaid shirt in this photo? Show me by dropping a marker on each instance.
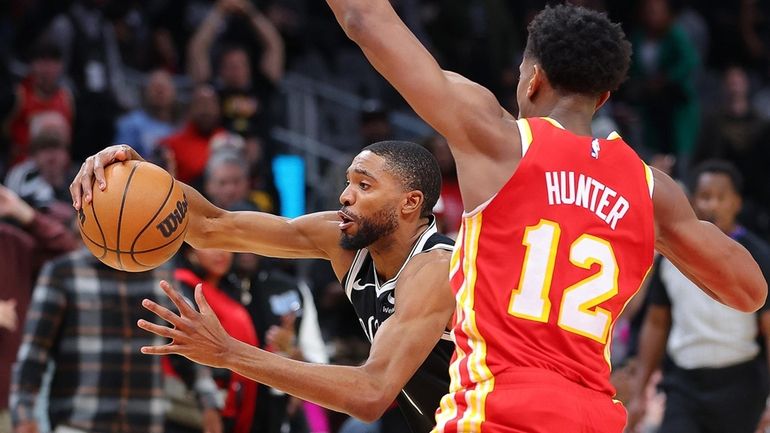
(27, 239)
(83, 316)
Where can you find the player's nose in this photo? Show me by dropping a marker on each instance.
(347, 197)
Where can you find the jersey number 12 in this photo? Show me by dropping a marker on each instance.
(579, 311)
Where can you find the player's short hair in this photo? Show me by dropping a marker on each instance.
(580, 50)
(415, 166)
(718, 166)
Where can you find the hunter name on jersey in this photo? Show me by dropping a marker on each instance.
(570, 188)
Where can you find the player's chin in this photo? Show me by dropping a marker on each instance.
(348, 242)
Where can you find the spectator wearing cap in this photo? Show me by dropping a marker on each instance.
(43, 179)
(40, 91)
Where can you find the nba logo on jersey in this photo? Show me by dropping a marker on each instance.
(595, 148)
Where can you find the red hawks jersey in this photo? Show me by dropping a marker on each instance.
(543, 269)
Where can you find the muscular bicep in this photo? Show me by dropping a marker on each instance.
(424, 306)
(720, 266)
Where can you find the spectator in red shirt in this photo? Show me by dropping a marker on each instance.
(40, 91)
(209, 268)
(190, 147)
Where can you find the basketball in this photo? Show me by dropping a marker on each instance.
(140, 219)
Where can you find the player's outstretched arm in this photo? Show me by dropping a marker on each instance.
(467, 114)
(424, 306)
(309, 236)
(719, 265)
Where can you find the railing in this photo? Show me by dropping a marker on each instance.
(322, 125)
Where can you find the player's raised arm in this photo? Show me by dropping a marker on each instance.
(719, 265)
(467, 114)
(424, 306)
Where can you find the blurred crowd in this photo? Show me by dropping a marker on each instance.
(196, 87)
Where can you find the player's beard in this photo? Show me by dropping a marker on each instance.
(370, 229)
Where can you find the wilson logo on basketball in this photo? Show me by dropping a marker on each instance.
(172, 222)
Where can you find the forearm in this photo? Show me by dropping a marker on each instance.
(22, 407)
(309, 236)
(737, 281)
(356, 17)
(32, 363)
(272, 61)
(198, 64)
(326, 385)
(652, 346)
(26, 378)
(709, 258)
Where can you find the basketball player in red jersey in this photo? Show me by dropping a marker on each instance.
(560, 226)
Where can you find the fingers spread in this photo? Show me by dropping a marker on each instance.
(162, 312)
(161, 331)
(203, 304)
(167, 349)
(177, 299)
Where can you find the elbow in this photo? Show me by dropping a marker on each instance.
(753, 293)
(754, 297)
(355, 24)
(370, 402)
(369, 410)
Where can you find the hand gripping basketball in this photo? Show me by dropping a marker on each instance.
(138, 221)
(92, 169)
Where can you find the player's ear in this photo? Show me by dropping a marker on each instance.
(536, 81)
(603, 97)
(413, 202)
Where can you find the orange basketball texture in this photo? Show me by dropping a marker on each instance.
(139, 221)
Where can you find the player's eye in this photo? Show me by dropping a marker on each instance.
(364, 186)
